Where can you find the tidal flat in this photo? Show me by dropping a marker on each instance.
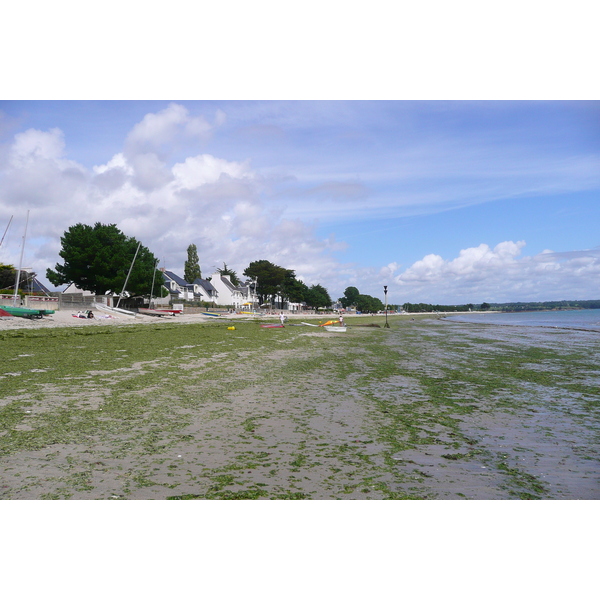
(427, 409)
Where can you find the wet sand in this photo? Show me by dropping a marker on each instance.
(425, 410)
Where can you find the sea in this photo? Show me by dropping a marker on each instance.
(588, 319)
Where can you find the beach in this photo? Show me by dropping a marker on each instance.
(186, 408)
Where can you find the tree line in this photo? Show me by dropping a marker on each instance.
(550, 305)
(100, 258)
(503, 307)
(273, 282)
(422, 307)
(362, 302)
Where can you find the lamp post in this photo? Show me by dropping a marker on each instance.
(385, 294)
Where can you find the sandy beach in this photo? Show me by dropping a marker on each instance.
(186, 408)
(65, 318)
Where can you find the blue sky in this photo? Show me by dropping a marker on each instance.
(443, 201)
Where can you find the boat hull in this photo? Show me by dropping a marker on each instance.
(158, 312)
(21, 311)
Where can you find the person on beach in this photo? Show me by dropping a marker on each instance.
(282, 318)
(341, 320)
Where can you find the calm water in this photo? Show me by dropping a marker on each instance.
(578, 319)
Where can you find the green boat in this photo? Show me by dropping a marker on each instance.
(27, 313)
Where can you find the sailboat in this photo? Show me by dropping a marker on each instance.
(21, 311)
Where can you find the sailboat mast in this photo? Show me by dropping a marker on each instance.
(20, 262)
(128, 274)
(153, 278)
(11, 218)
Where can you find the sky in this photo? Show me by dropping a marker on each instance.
(444, 202)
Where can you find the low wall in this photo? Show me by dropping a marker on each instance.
(45, 302)
(78, 302)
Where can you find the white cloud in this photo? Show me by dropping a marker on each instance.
(118, 161)
(203, 199)
(150, 172)
(498, 275)
(33, 145)
(389, 270)
(197, 171)
(157, 130)
(166, 190)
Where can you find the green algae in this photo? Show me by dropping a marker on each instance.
(136, 391)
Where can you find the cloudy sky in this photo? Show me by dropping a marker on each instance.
(442, 201)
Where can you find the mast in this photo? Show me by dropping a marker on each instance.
(152, 288)
(128, 274)
(11, 218)
(20, 262)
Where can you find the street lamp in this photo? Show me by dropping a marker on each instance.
(385, 293)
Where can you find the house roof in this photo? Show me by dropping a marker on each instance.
(178, 280)
(184, 285)
(207, 285)
(228, 283)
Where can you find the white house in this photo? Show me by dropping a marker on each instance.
(73, 289)
(179, 289)
(231, 295)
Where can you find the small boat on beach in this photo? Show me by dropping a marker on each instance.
(159, 312)
(208, 314)
(114, 310)
(334, 328)
(272, 326)
(27, 313)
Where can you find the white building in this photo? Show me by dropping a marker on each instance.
(239, 297)
(200, 290)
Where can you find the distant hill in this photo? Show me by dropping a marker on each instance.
(556, 305)
(504, 306)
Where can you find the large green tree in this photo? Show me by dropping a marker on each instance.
(8, 276)
(191, 269)
(368, 304)
(270, 279)
(98, 259)
(317, 297)
(350, 297)
(293, 289)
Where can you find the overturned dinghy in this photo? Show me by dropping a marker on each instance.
(159, 312)
(26, 313)
(334, 328)
(115, 311)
